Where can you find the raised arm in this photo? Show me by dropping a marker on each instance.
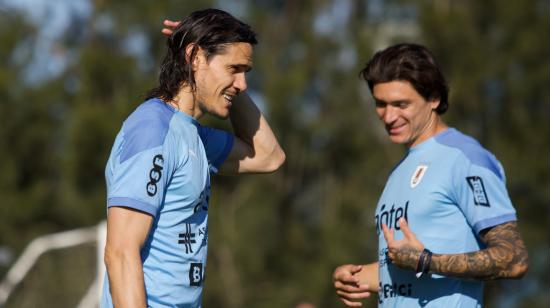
(127, 231)
(256, 149)
(505, 255)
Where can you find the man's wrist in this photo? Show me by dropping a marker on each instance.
(424, 262)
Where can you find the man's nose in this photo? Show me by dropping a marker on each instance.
(390, 114)
(240, 82)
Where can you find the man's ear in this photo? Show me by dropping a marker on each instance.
(197, 56)
(434, 103)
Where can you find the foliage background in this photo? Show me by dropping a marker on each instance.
(73, 70)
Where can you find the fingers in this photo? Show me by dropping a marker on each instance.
(167, 32)
(353, 296)
(350, 303)
(350, 287)
(345, 273)
(353, 299)
(345, 280)
(409, 235)
(405, 228)
(356, 269)
(170, 26)
(388, 234)
(170, 23)
(347, 285)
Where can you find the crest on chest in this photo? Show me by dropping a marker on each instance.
(418, 174)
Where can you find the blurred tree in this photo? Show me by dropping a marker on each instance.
(275, 239)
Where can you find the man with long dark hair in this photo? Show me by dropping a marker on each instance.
(158, 173)
(445, 222)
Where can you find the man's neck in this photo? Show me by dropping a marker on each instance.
(434, 127)
(185, 101)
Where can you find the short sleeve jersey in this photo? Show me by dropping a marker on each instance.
(448, 188)
(160, 165)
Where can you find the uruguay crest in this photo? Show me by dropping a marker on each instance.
(418, 175)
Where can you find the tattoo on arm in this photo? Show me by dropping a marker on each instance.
(406, 257)
(504, 257)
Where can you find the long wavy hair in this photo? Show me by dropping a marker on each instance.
(210, 30)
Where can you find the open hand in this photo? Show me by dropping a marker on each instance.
(405, 252)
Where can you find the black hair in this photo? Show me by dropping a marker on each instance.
(413, 63)
(211, 30)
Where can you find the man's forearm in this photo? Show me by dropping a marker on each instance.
(249, 124)
(251, 127)
(126, 281)
(245, 118)
(486, 264)
(506, 257)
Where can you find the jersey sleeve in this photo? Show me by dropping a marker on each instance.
(217, 144)
(481, 194)
(141, 161)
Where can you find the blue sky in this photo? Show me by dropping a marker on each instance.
(52, 19)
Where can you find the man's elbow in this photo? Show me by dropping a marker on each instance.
(110, 256)
(276, 160)
(517, 266)
(520, 268)
(117, 255)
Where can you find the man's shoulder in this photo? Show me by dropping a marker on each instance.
(146, 127)
(151, 114)
(472, 151)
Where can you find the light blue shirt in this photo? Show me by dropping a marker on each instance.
(449, 188)
(160, 164)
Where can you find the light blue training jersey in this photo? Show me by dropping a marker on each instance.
(449, 188)
(160, 164)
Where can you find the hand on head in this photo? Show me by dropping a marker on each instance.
(169, 27)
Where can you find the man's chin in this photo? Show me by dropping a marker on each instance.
(397, 139)
(220, 115)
